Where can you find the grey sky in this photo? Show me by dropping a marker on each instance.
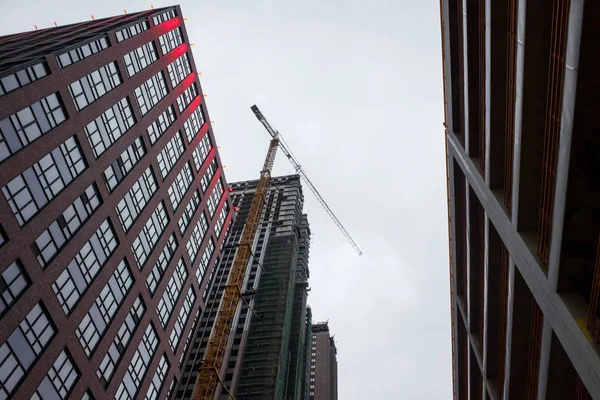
(355, 88)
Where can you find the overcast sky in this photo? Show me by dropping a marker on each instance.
(355, 89)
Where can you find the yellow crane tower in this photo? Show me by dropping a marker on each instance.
(208, 377)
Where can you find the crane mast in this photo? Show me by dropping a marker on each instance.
(208, 377)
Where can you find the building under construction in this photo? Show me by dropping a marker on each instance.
(267, 354)
(521, 88)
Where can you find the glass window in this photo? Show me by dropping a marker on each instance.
(140, 58)
(161, 264)
(132, 30)
(196, 238)
(119, 168)
(58, 234)
(188, 212)
(185, 99)
(221, 220)
(170, 154)
(95, 85)
(13, 282)
(180, 185)
(22, 128)
(182, 319)
(121, 341)
(171, 294)
(151, 92)
(162, 123)
(30, 191)
(165, 16)
(134, 201)
(206, 256)
(101, 313)
(144, 243)
(22, 348)
(215, 198)
(138, 366)
(190, 332)
(77, 54)
(23, 77)
(193, 124)
(105, 130)
(209, 174)
(158, 379)
(82, 270)
(179, 69)
(170, 40)
(59, 380)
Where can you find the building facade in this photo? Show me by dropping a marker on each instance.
(113, 207)
(266, 356)
(521, 116)
(323, 364)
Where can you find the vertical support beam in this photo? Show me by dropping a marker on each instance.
(453, 283)
(566, 129)
(518, 109)
(488, 72)
(486, 252)
(544, 359)
(509, 318)
(465, 77)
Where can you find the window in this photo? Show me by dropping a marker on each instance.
(134, 201)
(144, 243)
(158, 378)
(215, 196)
(193, 245)
(59, 380)
(80, 272)
(182, 319)
(22, 348)
(180, 185)
(28, 192)
(170, 154)
(221, 220)
(162, 123)
(208, 253)
(186, 97)
(138, 366)
(140, 58)
(23, 77)
(105, 130)
(149, 93)
(72, 56)
(193, 124)
(58, 234)
(188, 212)
(190, 332)
(161, 264)
(165, 16)
(209, 174)
(24, 127)
(201, 153)
(101, 313)
(119, 168)
(179, 69)
(95, 85)
(119, 345)
(170, 40)
(132, 30)
(171, 293)
(13, 281)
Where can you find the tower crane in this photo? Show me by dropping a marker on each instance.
(209, 374)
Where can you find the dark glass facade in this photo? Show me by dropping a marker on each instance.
(267, 355)
(113, 208)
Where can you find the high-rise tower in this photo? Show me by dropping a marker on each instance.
(113, 207)
(323, 364)
(521, 117)
(266, 356)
